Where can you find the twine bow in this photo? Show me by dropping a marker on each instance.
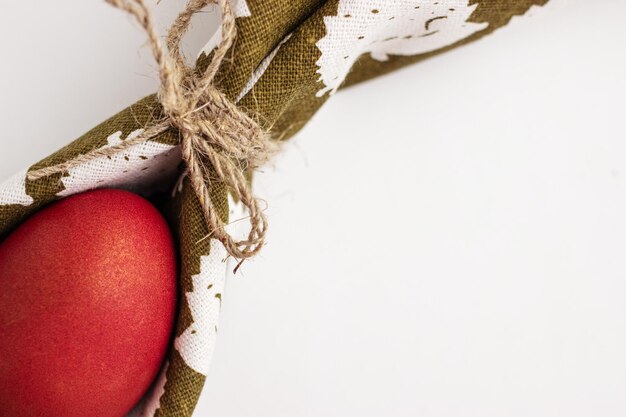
(217, 140)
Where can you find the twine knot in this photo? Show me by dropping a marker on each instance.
(218, 141)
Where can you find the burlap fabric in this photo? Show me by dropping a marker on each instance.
(290, 57)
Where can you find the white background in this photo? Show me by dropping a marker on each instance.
(446, 241)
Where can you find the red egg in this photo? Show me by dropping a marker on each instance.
(87, 306)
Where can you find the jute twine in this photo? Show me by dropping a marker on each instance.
(217, 140)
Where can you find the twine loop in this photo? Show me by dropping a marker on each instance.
(218, 141)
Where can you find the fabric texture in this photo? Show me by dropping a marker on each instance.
(290, 57)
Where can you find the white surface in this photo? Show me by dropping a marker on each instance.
(471, 263)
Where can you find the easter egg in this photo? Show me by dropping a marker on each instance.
(87, 306)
